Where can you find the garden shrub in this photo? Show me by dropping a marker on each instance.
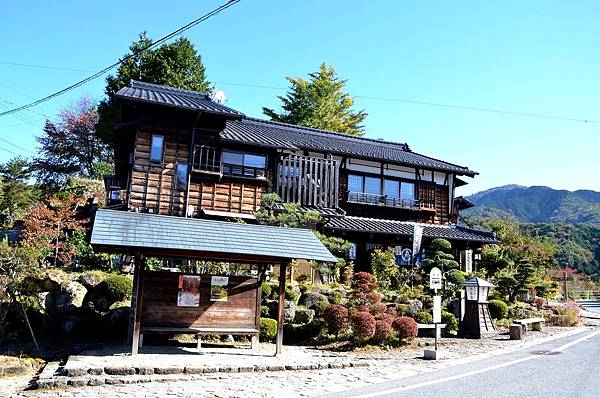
(440, 244)
(456, 277)
(384, 267)
(268, 329)
(116, 288)
(291, 294)
(336, 317)
(450, 320)
(264, 311)
(320, 307)
(378, 309)
(405, 327)
(423, 317)
(566, 314)
(266, 290)
(498, 309)
(363, 325)
(383, 329)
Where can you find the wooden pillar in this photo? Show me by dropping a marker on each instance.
(136, 305)
(280, 307)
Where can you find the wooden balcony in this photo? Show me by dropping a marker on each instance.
(206, 159)
(390, 201)
(308, 181)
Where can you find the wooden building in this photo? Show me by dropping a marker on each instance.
(179, 153)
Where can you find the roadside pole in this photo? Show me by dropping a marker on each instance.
(435, 283)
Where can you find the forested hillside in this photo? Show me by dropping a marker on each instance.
(570, 219)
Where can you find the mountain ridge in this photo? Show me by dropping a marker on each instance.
(538, 204)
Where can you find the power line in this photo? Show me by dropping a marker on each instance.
(45, 67)
(434, 104)
(17, 146)
(108, 68)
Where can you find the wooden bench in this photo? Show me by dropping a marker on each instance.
(430, 327)
(519, 327)
(202, 331)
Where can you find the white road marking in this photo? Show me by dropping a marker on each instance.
(474, 372)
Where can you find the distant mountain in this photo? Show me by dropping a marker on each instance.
(537, 204)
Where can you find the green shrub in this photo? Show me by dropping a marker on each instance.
(320, 307)
(266, 290)
(456, 277)
(291, 294)
(450, 320)
(423, 317)
(363, 325)
(264, 311)
(304, 287)
(498, 309)
(116, 288)
(268, 329)
(440, 244)
(405, 327)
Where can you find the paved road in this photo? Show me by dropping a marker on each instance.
(566, 368)
(590, 305)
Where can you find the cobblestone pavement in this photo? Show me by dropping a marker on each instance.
(384, 365)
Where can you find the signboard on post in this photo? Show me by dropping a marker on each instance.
(437, 310)
(435, 279)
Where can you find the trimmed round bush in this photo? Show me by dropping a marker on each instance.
(456, 277)
(378, 309)
(336, 317)
(383, 329)
(498, 309)
(363, 325)
(450, 320)
(423, 317)
(268, 329)
(116, 288)
(405, 327)
(440, 244)
(266, 290)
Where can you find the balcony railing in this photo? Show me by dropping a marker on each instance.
(243, 171)
(206, 159)
(388, 201)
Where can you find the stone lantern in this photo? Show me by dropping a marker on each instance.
(476, 321)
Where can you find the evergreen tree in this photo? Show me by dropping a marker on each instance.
(175, 64)
(16, 195)
(320, 103)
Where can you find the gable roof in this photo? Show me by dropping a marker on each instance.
(288, 136)
(157, 234)
(392, 227)
(242, 129)
(174, 97)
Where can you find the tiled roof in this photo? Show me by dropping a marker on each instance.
(391, 227)
(287, 136)
(129, 230)
(178, 98)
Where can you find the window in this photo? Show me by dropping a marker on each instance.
(156, 150)
(373, 185)
(391, 188)
(407, 191)
(244, 164)
(355, 183)
(182, 175)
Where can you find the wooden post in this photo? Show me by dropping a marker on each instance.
(136, 305)
(280, 307)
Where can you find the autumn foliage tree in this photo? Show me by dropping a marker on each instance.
(70, 148)
(319, 102)
(51, 223)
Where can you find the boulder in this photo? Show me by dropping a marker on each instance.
(304, 315)
(311, 299)
(414, 306)
(70, 297)
(46, 281)
(98, 299)
(289, 310)
(91, 279)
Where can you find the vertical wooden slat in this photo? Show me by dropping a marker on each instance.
(138, 285)
(280, 307)
(287, 179)
(300, 179)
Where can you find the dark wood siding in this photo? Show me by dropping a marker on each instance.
(160, 303)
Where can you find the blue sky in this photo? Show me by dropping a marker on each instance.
(537, 57)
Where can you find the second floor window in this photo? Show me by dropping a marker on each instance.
(244, 164)
(370, 187)
(156, 149)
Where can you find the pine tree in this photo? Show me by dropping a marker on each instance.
(175, 64)
(321, 103)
